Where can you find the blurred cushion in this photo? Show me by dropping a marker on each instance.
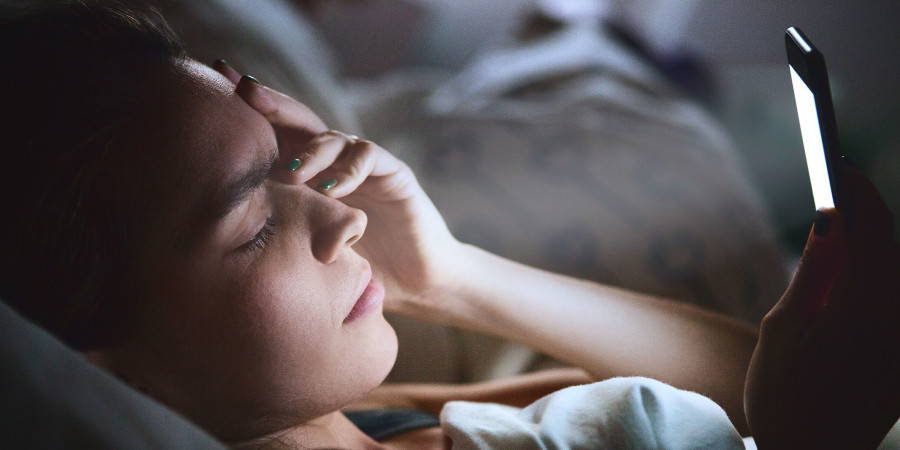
(570, 153)
(54, 398)
(269, 39)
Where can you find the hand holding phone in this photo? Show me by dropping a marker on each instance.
(817, 123)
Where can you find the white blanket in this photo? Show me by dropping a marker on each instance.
(620, 413)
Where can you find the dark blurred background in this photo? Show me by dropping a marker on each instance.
(740, 43)
(728, 53)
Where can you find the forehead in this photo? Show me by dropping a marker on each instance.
(195, 135)
(202, 121)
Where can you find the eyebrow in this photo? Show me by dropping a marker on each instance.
(238, 190)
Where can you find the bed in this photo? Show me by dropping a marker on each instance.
(607, 170)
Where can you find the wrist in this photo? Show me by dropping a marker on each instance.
(440, 296)
(472, 291)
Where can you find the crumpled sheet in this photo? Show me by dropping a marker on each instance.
(620, 413)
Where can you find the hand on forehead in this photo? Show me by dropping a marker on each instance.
(290, 118)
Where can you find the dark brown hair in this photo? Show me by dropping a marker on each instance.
(71, 76)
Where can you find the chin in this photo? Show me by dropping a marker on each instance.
(359, 369)
(385, 350)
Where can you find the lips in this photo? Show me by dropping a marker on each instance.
(371, 297)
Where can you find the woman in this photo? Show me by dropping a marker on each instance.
(215, 245)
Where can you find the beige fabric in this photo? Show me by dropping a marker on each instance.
(568, 153)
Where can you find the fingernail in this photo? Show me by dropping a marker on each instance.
(348, 136)
(846, 160)
(251, 78)
(293, 164)
(327, 184)
(822, 224)
(222, 62)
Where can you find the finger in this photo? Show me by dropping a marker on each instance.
(318, 155)
(865, 286)
(374, 172)
(869, 285)
(226, 70)
(872, 222)
(821, 263)
(349, 171)
(280, 110)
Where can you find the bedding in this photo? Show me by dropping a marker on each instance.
(605, 171)
(621, 413)
(269, 39)
(570, 153)
(54, 398)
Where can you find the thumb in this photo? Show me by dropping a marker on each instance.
(821, 263)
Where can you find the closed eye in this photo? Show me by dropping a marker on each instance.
(261, 238)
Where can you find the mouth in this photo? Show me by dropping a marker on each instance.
(371, 296)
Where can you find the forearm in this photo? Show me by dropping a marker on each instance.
(519, 391)
(607, 331)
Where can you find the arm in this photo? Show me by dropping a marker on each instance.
(429, 275)
(518, 391)
(607, 331)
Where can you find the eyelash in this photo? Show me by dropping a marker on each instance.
(262, 238)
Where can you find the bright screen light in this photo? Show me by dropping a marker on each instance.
(812, 143)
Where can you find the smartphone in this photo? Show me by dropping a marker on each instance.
(817, 123)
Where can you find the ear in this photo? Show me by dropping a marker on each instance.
(106, 360)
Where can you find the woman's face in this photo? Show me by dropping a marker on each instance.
(243, 283)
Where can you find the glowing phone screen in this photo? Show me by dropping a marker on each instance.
(812, 142)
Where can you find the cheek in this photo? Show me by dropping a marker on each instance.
(285, 321)
(244, 341)
(291, 343)
(246, 330)
(303, 349)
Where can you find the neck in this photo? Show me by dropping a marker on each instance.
(332, 430)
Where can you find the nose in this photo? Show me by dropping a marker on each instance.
(340, 228)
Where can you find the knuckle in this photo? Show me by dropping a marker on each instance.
(353, 163)
(770, 322)
(364, 150)
(341, 135)
(332, 134)
(320, 139)
(306, 155)
(769, 318)
(352, 171)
